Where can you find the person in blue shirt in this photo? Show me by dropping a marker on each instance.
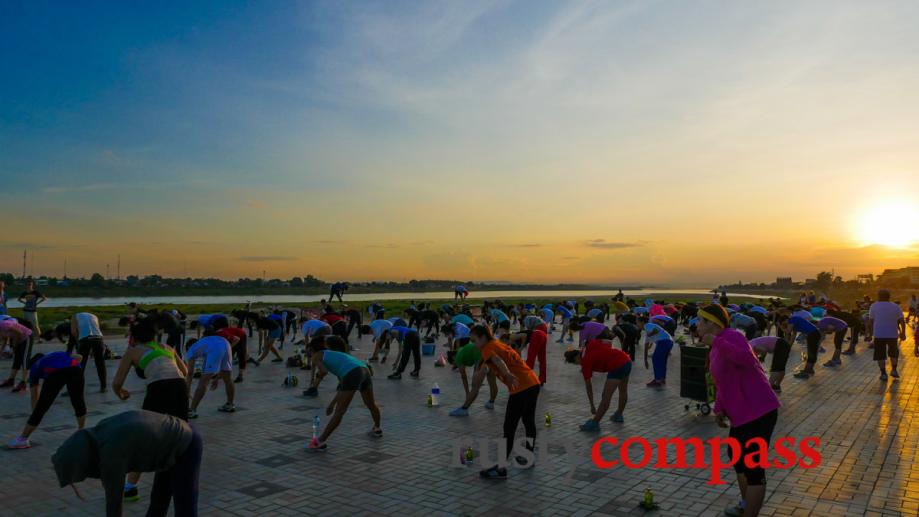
(353, 376)
(791, 327)
(411, 345)
(566, 315)
(57, 369)
(663, 344)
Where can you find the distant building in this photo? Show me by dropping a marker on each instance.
(784, 282)
(910, 274)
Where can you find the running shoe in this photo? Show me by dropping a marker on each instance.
(490, 404)
(460, 411)
(802, 375)
(895, 374)
(277, 360)
(618, 418)
(776, 388)
(655, 384)
(376, 432)
(312, 391)
(316, 446)
(734, 511)
(227, 408)
(848, 352)
(19, 443)
(238, 379)
(883, 377)
(131, 495)
(252, 361)
(415, 373)
(192, 414)
(590, 426)
(7, 383)
(395, 376)
(20, 387)
(832, 363)
(495, 472)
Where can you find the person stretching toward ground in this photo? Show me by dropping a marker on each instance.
(837, 327)
(796, 324)
(885, 318)
(780, 350)
(160, 366)
(520, 381)
(469, 355)
(57, 369)
(380, 331)
(215, 351)
(663, 344)
(19, 336)
(411, 345)
(136, 441)
(600, 356)
(353, 376)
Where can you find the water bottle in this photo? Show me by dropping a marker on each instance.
(548, 420)
(469, 456)
(316, 427)
(648, 501)
(435, 395)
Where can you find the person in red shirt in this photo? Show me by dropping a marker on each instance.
(537, 350)
(239, 345)
(522, 383)
(600, 356)
(338, 323)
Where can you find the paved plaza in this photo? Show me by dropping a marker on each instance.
(255, 462)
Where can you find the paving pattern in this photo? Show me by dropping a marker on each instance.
(255, 462)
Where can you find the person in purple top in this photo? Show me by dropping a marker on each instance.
(837, 327)
(888, 326)
(57, 369)
(586, 331)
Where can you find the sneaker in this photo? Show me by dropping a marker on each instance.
(460, 411)
(227, 408)
(192, 414)
(883, 377)
(312, 391)
(277, 360)
(395, 376)
(590, 426)
(618, 418)
(383, 361)
(316, 446)
(822, 350)
(495, 472)
(131, 495)
(734, 511)
(372, 360)
(654, 384)
(19, 387)
(7, 383)
(832, 363)
(376, 432)
(802, 375)
(252, 361)
(19, 443)
(490, 404)
(848, 352)
(776, 388)
(414, 374)
(238, 379)
(895, 374)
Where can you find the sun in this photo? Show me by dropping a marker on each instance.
(889, 223)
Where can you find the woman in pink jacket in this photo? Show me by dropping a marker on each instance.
(743, 395)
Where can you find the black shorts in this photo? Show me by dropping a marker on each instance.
(167, 397)
(357, 379)
(762, 427)
(884, 347)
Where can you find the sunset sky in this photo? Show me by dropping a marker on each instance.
(677, 143)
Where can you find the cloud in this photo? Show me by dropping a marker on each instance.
(389, 246)
(267, 259)
(605, 245)
(78, 188)
(328, 242)
(525, 245)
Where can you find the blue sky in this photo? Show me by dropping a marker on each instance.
(238, 128)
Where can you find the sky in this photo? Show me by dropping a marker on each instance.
(657, 143)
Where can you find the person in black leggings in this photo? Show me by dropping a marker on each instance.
(19, 332)
(355, 319)
(58, 369)
(411, 346)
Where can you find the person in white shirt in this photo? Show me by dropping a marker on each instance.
(885, 318)
(86, 331)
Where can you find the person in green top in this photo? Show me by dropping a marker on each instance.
(470, 355)
(353, 376)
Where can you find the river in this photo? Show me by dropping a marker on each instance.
(704, 294)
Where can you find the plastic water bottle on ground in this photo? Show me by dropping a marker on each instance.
(316, 424)
(435, 395)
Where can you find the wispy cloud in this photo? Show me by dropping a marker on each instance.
(267, 258)
(603, 244)
(59, 189)
(525, 245)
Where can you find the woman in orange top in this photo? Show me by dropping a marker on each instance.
(522, 383)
